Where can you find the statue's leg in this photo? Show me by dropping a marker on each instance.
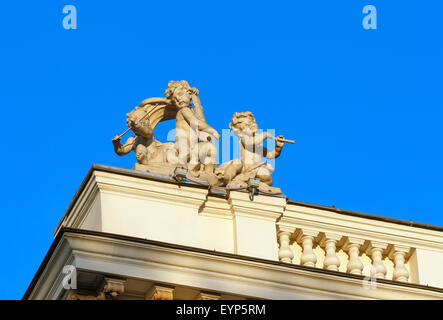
(231, 171)
(207, 156)
(182, 148)
(264, 174)
(171, 156)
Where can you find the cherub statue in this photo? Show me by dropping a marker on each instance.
(147, 149)
(193, 147)
(193, 135)
(236, 173)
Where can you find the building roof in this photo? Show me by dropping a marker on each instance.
(221, 193)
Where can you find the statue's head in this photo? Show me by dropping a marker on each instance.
(141, 128)
(180, 93)
(243, 123)
(140, 153)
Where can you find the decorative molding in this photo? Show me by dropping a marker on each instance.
(150, 189)
(263, 207)
(113, 287)
(82, 206)
(222, 273)
(73, 295)
(308, 226)
(237, 276)
(285, 228)
(216, 207)
(359, 227)
(208, 296)
(160, 292)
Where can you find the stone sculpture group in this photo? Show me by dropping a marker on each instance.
(194, 147)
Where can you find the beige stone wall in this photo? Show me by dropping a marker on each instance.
(187, 215)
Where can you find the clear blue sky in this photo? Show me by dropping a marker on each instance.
(364, 106)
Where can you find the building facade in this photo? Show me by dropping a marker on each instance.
(136, 235)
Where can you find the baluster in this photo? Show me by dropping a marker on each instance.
(329, 242)
(375, 251)
(285, 253)
(352, 246)
(398, 254)
(306, 238)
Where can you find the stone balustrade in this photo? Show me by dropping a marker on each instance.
(318, 238)
(343, 253)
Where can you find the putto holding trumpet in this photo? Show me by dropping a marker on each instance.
(194, 147)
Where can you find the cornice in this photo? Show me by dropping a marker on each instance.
(217, 207)
(83, 204)
(149, 189)
(364, 215)
(267, 208)
(353, 226)
(143, 255)
(340, 214)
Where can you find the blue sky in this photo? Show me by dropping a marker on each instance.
(364, 106)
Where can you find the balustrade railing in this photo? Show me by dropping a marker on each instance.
(320, 249)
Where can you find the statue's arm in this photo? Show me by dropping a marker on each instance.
(191, 119)
(259, 138)
(256, 140)
(198, 109)
(277, 150)
(120, 149)
(271, 154)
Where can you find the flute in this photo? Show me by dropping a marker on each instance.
(283, 140)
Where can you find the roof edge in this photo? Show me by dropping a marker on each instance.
(65, 230)
(167, 179)
(371, 216)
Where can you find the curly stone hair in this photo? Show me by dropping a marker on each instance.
(172, 85)
(240, 121)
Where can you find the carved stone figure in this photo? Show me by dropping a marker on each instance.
(150, 153)
(193, 147)
(236, 173)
